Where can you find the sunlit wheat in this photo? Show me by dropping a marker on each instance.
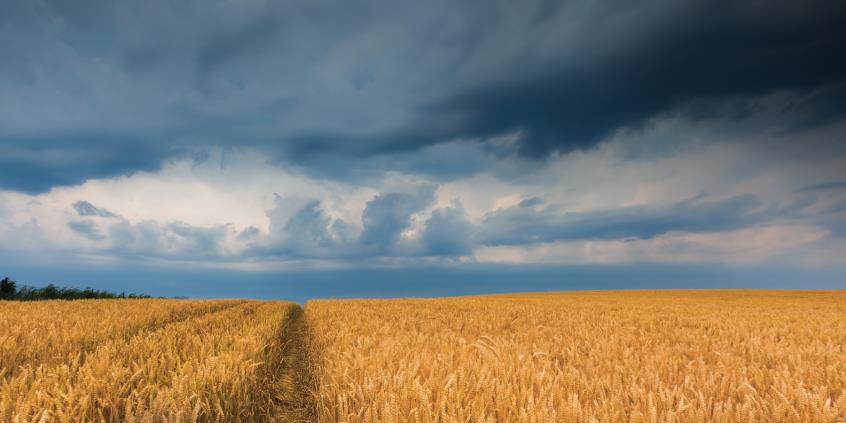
(639, 356)
(209, 367)
(52, 332)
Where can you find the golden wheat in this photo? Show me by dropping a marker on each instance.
(638, 356)
(52, 332)
(210, 367)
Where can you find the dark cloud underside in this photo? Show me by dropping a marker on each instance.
(96, 89)
(707, 52)
(523, 224)
(35, 164)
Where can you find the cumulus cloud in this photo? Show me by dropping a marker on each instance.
(175, 241)
(109, 235)
(448, 232)
(195, 242)
(299, 228)
(222, 211)
(386, 216)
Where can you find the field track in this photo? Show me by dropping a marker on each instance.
(292, 379)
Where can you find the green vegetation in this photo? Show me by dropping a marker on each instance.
(9, 291)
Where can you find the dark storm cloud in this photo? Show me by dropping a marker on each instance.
(96, 89)
(704, 53)
(84, 208)
(524, 224)
(34, 164)
(699, 60)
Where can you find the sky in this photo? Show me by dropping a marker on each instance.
(273, 148)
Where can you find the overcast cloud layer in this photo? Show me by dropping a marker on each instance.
(286, 134)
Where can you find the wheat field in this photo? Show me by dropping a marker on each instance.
(148, 361)
(636, 356)
(614, 356)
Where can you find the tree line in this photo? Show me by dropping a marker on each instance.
(9, 290)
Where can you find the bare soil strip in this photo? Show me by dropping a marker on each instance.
(289, 374)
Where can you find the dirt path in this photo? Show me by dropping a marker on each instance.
(290, 375)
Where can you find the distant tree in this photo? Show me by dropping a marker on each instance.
(8, 289)
(51, 292)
